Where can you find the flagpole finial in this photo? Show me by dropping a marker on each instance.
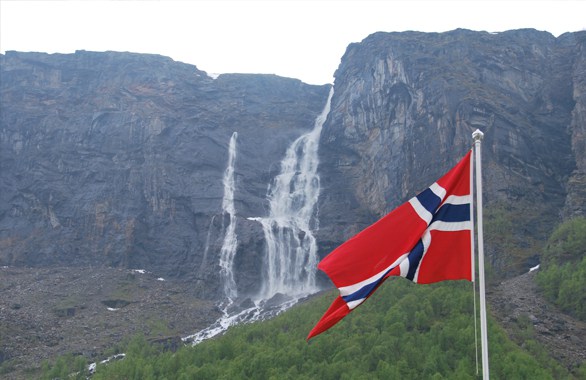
(477, 135)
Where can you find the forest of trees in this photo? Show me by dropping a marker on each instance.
(405, 331)
(562, 275)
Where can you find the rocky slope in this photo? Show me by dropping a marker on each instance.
(50, 312)
(517, 303)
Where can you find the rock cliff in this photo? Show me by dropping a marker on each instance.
(404, 109)
(116, 159)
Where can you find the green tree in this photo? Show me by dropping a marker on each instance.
(562, 275)
(405, 331)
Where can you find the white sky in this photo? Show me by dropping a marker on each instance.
(302, 39)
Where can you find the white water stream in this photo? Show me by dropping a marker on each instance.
(290, 262)
(291, 250)
(230, 243)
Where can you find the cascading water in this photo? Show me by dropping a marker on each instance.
(230, 243)
(291, 250)
(227, 254)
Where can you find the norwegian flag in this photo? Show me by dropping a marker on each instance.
(427, 239)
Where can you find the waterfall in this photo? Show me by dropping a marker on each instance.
(291, 251)
(290, 263)
(230, 243)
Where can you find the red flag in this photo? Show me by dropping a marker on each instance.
(426, 240)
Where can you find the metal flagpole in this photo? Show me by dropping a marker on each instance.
(477, 137)
(473, 260)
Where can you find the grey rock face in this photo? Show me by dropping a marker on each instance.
(576, 199)
(117, 159)
(406, 104)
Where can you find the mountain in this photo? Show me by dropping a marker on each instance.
(123, 161)
(405, 107)
(117, 159)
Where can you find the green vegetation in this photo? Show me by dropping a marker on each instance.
(510, 240)
(405, 331)
(127, 289)
(158, 327)
(562, 275)
(66, 367)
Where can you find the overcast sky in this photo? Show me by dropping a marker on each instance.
(302, 39)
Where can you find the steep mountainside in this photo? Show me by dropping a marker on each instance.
(116, 159)
(405, 107)
(575, 204)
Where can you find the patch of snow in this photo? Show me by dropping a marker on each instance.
(114, 357)
(160, 279)
(141, 271)
(112, 309)
(534, 268)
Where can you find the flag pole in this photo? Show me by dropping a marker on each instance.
(477, 137)
(473, 261)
